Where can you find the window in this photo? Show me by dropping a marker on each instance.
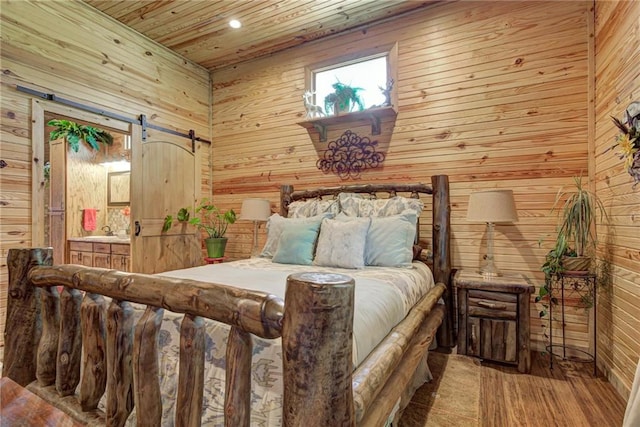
(371, 71)
(369, 75)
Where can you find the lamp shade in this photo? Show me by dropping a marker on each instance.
(492, 206)
(255, 210)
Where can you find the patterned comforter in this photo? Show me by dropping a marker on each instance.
(383, 297)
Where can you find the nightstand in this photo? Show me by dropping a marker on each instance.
(493, 318)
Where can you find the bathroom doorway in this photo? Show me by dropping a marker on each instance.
(66, 184)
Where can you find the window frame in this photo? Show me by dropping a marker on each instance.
(389, 51)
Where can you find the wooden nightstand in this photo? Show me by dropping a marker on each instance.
(493, 318)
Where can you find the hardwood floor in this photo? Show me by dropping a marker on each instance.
(569, 395)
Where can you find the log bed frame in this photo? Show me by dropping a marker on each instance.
(51, 337)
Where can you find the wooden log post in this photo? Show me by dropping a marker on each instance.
(148, 401)
(442, 254)
(119, 372)
(317, 350)
(237, 398)
(69, 343)
(48, 345)
(23, 326)
(94, 360)
(191, 376)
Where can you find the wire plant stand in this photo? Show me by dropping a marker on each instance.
(570, 284)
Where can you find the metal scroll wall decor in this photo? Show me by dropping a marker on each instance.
(349, 155)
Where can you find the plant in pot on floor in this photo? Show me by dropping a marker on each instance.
(579, 213)
(209, 218)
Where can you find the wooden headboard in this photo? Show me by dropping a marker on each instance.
(439, 190)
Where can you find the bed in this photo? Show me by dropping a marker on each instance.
(113, 343)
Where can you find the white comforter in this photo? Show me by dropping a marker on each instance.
(383, 297)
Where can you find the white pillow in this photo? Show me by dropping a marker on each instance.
(341, 243)
(312, 207)
(277, 224)
(352, 204)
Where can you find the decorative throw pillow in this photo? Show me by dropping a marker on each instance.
(277, 224)
(313, 207)
(342, 243)
(390, 240)
(352, 204)
(297, 243)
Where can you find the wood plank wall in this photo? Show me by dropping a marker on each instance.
(493, 94)
(70, 49)
(617, 64)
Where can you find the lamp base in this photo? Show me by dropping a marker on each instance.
(255, 250)
(489, 270)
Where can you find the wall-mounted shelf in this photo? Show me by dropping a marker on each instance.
(372, 115)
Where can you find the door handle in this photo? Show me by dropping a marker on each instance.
(495, 306)
(136, 228)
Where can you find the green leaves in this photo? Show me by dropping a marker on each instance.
(343, 98)
(209, 218)
(581, 211)
(168, 221)
(74, 133)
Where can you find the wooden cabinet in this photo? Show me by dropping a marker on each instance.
(493, 318)
(81, 253)
(120, 257)
(100, 254)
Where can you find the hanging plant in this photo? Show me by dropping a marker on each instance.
(74, 133)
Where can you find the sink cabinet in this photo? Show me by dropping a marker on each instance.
(100, 254)
(120, 257)
(81, 253)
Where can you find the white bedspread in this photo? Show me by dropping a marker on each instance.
(383, 297)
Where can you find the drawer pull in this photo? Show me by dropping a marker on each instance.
(493, 305)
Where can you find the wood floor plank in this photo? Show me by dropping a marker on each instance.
(566, 396)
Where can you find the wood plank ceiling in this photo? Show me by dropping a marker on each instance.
(199, 30)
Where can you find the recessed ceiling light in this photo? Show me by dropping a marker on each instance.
(234, 23)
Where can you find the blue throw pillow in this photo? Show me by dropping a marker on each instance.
(390, 240)
(297, 244)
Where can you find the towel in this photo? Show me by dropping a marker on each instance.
(89, 219)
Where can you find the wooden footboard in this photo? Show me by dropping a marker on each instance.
(51, 338)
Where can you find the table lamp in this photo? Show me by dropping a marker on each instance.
(491, 207)
(255, 210)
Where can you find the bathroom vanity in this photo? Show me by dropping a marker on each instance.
(100, 251)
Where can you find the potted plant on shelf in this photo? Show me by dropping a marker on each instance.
(209, 218)
(74, 133)
(343, 99)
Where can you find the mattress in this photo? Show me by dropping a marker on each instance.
(383, 297)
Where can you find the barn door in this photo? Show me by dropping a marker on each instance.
(165, 176)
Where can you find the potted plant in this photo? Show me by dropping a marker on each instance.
(343, 99)
(576, 239)
(74, 133)
(209, 218)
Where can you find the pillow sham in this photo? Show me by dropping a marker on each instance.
(312, 207)
(353, 204)
(297, 244)
(390, 240)
(277, 224)
(341, 243)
